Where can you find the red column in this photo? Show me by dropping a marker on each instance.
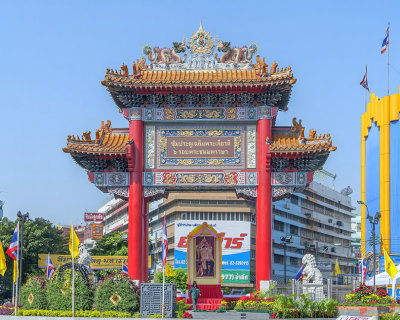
(264, 203)
(135, 225)
(145, 245)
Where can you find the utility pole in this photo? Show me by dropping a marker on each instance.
(22, 218)
(285, 241)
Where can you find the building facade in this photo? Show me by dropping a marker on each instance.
(380, 176)
(318, 220)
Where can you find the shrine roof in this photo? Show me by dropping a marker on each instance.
(285, 140)
(292, 140)
(199, 65)
(168, 78)
(108, 141)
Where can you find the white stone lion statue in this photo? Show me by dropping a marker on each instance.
(84, 257)
(312, 275)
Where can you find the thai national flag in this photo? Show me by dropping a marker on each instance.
(12, 250)
(50, 268)
(364, 81)
(164, 243)
(363, 269)
(385, 42)
(124, 268)
(299, 275)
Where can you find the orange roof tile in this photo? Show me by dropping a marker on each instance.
(292, 142)
(198, 78)
(106, 142)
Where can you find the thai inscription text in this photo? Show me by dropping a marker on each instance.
(200, 147)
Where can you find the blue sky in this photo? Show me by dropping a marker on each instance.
(53, 55)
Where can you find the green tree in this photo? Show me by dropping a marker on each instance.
(111, 244)
(180, 278)
(40, 236)
(6, 230)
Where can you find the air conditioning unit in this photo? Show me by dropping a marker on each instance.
(307, 214)
(287, 205)
(333, 249)
(330, 220)
(339, 223)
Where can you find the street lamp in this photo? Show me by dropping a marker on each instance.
(374, 221)
(285, 241)
(22, 218)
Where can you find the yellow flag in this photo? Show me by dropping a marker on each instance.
(3, 265)
(337, 268)
(15, 274)
(390, 268)
(168, 271)
(75, 249)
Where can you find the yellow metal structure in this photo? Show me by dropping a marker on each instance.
(382, 112)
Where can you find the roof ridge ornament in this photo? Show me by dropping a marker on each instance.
(201, 48)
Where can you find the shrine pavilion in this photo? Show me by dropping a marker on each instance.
(201, 117)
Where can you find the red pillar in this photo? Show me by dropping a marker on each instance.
(135, 224)
(145, 245)
(264, 203)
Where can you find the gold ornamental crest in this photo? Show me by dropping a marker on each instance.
(201, 42)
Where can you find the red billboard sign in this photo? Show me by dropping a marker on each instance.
(93, 217)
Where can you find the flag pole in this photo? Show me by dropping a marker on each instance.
(365, 101)
(163, 293)
(388, 45)
(16, 282)
(73, 273)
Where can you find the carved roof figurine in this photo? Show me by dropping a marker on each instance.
(107, 142)
(203, 64)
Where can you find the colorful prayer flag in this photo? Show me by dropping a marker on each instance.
(385, 42)
(15, 272)
(50, 268)
(300, 275)
(3, 264)
(168, 271)
(124, 268)
(337, 268)
(364, 81)
(363, 269)
(164, 243)
(12, 250)
(75, 249)
(390, 268)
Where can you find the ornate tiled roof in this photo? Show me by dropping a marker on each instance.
(201, 65)
(113, 142)
(170, 78)
(108, 141)
(292, 140)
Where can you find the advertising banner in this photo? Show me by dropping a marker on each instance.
(99, 262)
(97, 231)
(235, 247)
(93, 217)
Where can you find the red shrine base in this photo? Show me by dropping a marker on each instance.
(210, 298)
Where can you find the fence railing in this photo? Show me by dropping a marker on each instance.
(316, 291)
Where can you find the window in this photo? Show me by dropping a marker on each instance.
(279, 226)
(241, 217)
(219, 215)
(197, 216)
(278, 259)
(294, 200)
(201, 216)
(294, 230)
(294, 261)
(228, 216)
